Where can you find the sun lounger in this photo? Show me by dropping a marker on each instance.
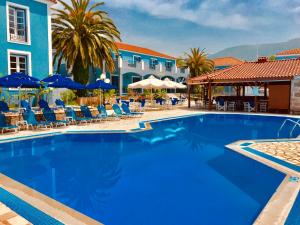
(72, 116)
(127, 111)
(103, 113)
(4, 108)
(50, 117)
(4, 126)
(44, 105)
(60, 103)
(86, 112)
(25, 106)
(119, 113)
(31, 121)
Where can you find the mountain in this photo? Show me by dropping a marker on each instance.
(249, 52)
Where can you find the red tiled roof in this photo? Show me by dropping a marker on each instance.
(295, 51)
(141, 50)
(227, 61)
(253, 71)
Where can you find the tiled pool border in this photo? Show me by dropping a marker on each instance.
(64, 214)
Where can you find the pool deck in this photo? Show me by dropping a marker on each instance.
(9, 217)
(275, 212)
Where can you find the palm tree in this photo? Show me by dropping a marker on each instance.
(84, 37)
(197, 61)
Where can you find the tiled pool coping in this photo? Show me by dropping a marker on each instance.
(275, 212)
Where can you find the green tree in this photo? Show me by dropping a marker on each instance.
(84, 37)
(197, 62)
(272, 58)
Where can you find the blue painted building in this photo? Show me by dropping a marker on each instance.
(25, 37)
(135, 63)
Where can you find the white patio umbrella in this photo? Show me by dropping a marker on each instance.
(150, 83)
(173, 85)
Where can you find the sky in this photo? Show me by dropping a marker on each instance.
(175, 26)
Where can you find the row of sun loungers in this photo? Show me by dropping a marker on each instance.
(71, 117)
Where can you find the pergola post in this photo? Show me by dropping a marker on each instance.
(255, 99)
(244, 90)
(265, 90)
(209, 97)
(189, 96)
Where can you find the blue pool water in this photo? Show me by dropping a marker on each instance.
(178, 173)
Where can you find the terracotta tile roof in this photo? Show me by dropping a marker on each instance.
(253, 71)
(295, 51)
(227, 61)
(141, 50)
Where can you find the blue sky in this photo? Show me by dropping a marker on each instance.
(174, 26)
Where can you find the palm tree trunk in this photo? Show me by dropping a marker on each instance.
(81, 75)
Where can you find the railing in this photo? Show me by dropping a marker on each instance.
(296, 123)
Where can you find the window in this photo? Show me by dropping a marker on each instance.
(182, 70)
(153, 63)
(18, 23)
(169, 65)
(135, 79)
(18, 63)
(137, 58)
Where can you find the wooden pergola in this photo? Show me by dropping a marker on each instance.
(274, 77)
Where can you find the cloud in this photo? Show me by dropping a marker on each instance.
(213, 13)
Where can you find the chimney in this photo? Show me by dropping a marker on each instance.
(262, 59)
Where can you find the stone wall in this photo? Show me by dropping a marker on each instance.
(295, 96)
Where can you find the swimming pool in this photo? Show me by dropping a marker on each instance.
(177, 173)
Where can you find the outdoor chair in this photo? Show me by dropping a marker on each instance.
(73, 118)
(221, 106)
(231, 106)
(44, 105)
(249, 107)
(4, 126)
(126, 110)
(263, 107)
(50, 117)
(142, 105)
(86, 112)
(31, 121)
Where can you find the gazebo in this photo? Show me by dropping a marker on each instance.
(280, 80)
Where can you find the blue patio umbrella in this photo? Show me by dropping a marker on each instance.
(19, 80)
(59, 81)
(100, 84)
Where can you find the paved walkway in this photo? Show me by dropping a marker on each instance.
(285, 150)
(9, 217)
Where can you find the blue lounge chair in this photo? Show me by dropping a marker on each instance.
(60, 103)
(86, 112)
(72, 116)
(50, 117)
(119, 113)
(31, 121)
(4, 108)
(25, 105)
(44, 105)
(126, 110)
(4, 126)
(103, 113)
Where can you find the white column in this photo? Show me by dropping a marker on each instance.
(121, 84)
(49, 40)
(176, 69)
(143, 65)
(160, 67)
(120, 62)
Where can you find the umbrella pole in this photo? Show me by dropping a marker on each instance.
(19, 88)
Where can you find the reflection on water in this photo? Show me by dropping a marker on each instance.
(162, 176)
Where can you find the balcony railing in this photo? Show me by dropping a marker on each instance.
(17, 34)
